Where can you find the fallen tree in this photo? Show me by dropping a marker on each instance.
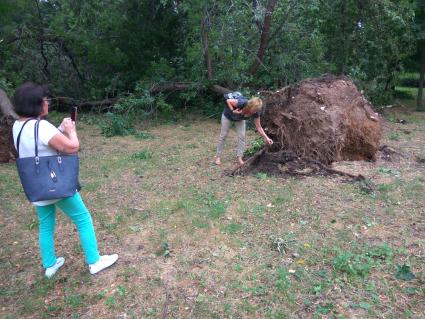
(313, 124)
(165, 87)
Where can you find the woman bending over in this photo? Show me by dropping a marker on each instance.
(237, 111)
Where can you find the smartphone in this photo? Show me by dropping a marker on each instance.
(74, 110)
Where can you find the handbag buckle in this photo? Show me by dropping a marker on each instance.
(59, 160)
(37, 160)
(53, 176)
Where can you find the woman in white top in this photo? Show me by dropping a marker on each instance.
(31, 102)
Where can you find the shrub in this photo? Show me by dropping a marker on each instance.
(408, 80)
(256, 145)
(116, 124)
(142, 155)
(355, 265)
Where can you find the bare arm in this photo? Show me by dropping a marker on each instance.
(260, 130)
(232, 104)
(63, 144)
(67, 142)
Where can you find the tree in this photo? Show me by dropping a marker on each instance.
(6, 107)
(103, 48)
(96, 50)
(420, 27)
(265, 33)
(368, 40)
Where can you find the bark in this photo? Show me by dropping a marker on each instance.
(264, 39)
(87, 104)
(420, 102)
(343, 63)
(41, 32)
(177, 86)
(46, 61)
(219, 89)
(257, 21)
(160, 88)
(5, 105)
(170, 87)
(205, 45)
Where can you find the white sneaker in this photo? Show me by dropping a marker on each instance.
(104, 262)
(53, 269)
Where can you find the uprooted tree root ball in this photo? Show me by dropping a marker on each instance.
(315, 123)
(7, 150)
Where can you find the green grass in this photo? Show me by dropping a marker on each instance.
(142, 155)
(143, 135)
(394, 136)
(406, 93)
(197, 244)
(408, 79)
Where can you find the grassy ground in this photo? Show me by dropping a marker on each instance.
(407, 90)
(408, 96)
(195, 244)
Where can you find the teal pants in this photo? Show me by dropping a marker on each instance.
(75, 209)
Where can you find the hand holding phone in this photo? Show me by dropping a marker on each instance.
(74, 111)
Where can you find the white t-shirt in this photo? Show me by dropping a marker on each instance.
(26, 144)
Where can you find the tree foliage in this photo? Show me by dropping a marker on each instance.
(95, 49)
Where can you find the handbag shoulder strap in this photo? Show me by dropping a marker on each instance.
(36, 137)
(19, 135)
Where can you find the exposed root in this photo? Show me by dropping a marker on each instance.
(389, 154)
(286, 164)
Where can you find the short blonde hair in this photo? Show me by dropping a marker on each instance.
(255, 104)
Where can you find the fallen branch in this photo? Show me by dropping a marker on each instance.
(335, 171)
(388, 153)
(159, 88)
(85, 104)
(6, 107)
(237, 170)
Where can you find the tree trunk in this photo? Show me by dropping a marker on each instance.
(205, 45)
(8, 116)
(176, 86)
(254, 9)
(420, 102)
(345, 42)
(264, 36)
(101, 104)
(159, 88)
(6, 107)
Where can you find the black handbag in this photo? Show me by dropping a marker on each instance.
(47, 177)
